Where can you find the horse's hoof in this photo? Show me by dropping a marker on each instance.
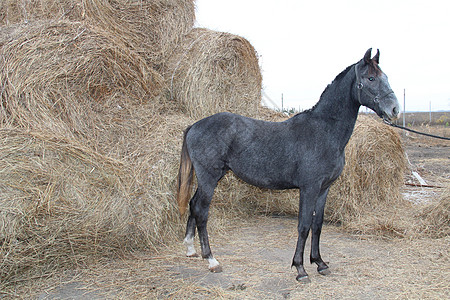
(192, 255)
(303, 279)
(216, 269)
(324, 272)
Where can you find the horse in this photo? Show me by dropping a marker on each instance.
(305, 152)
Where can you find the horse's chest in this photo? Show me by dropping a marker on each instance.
(326, 166)
(335, 168)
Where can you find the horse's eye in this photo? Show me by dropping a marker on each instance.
(371, 78)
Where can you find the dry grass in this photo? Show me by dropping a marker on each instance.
(152, 28)
(436, 217)
(256, 254)
(212, 72)
(83, 170)
(63, 203)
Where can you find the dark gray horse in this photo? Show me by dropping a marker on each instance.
(305, 152)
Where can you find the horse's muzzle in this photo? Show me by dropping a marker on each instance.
(389, 108)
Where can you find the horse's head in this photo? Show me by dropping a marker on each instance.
(373, 89)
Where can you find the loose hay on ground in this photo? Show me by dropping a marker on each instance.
(436, 216)
(212, 71)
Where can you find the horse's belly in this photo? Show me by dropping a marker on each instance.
(266, 182)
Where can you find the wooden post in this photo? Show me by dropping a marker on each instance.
(430, 113)
(404, 106)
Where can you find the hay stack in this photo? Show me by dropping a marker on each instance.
(66, 78)
(62, 203)
(76, 118)
(365, 198)
(153, 28)
(212, 72)
(59, 203)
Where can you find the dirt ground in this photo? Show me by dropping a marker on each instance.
(256, 255)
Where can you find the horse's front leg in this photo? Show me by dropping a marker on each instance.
(316, 230)
(307, 204)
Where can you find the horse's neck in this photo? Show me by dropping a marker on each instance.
(338, 109)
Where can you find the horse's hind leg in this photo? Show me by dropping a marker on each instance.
(189, 238)
(199, 208)
(316, 230)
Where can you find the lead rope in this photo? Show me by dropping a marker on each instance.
(415, 131)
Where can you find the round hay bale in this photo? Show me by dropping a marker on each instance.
(151, 27)
(212, 72)
(366, 196)
(67, 78)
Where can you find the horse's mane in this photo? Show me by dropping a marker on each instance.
(373, 69)
(338, 77)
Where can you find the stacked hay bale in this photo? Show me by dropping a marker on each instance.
(70, 79)
(214, 71)
(55, 194)
(152, 28)
(75, 105)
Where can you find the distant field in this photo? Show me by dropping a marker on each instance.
(414, 119)
(423, 118)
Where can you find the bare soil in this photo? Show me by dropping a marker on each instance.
(256, 255)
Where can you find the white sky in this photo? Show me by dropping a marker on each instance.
(303, 45)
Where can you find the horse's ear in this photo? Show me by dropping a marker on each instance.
(367, 55)
(376, 58)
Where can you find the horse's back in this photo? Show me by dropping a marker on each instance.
(255, 150)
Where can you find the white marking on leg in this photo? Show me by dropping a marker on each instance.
(189, 242)
(212, 263)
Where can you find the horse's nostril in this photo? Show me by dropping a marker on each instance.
(395, 111)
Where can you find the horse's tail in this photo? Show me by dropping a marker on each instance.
(185, 177)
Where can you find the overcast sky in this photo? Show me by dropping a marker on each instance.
(303, 45)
